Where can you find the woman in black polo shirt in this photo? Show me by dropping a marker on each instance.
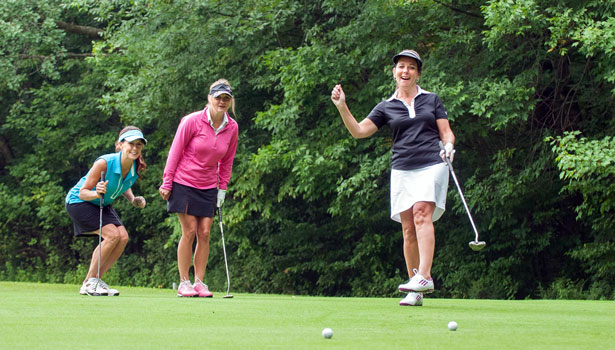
(419, 177)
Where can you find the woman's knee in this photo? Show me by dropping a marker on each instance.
(203, 235)
(423, 213)
(189, 233)
(124, 238)
(112, 235)
(409, 234)
(188, 224)
(204, 227)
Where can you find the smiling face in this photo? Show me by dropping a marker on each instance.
(406, 72)
(132, 149)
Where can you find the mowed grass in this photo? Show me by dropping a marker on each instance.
(51, 316)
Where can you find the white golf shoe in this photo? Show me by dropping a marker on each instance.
(83, 287)
(417, 283)
(90, 287)
(412, 299)
(110, 291)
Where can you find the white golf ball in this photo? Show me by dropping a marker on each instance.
(327, 333)
(452, 326)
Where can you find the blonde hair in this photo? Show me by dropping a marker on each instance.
(221, 81)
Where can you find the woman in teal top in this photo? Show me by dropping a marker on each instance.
(122, 169)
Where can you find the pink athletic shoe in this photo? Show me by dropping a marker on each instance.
(186, 290)
(202, 289)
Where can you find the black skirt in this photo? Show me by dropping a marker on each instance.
(192, 201)
(86, 218)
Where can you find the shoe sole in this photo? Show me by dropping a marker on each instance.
(98, 294)
(406, 290)
(401, 304)
(112, 295)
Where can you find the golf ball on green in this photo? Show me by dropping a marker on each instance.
(327, 333)
(452, 326)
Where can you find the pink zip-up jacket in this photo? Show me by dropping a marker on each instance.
(196, 152)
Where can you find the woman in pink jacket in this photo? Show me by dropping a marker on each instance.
(195, 180)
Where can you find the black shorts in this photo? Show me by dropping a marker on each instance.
(86, 218)
(192, 201)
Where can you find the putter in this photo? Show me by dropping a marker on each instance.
(102, 199)
(475, 245)
(228, 279)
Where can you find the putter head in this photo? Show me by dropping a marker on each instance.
(228, 296)
(477, 245)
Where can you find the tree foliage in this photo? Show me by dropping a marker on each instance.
(528, 86)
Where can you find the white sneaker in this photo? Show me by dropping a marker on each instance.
(82, 289)
(417, 283)
(412, 299)
(110, 291)
(90, 287)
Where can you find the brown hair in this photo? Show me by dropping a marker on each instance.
(223, 81)
(141, 165)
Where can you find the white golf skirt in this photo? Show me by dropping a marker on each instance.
(428, 184)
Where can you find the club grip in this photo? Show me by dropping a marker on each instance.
(102, 195)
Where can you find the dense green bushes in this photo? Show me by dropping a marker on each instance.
(528, 86)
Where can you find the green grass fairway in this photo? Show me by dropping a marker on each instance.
(50, 316)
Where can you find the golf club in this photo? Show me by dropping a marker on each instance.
(475, 245)
(228, 279)
(102, 199)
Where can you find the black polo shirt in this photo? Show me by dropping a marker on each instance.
(415, 132)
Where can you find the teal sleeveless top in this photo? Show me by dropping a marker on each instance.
(116, 186)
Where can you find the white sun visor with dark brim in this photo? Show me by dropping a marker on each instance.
(408, 53)
(220, 89)
(132, 135)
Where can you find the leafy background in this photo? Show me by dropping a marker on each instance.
(528, 85)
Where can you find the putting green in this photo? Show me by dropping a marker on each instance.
(52, 316)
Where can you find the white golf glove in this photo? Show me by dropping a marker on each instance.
(448, 152)
(221, 194)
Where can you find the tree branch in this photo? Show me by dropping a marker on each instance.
(92, 32)
(67, 54)
(458, 9)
